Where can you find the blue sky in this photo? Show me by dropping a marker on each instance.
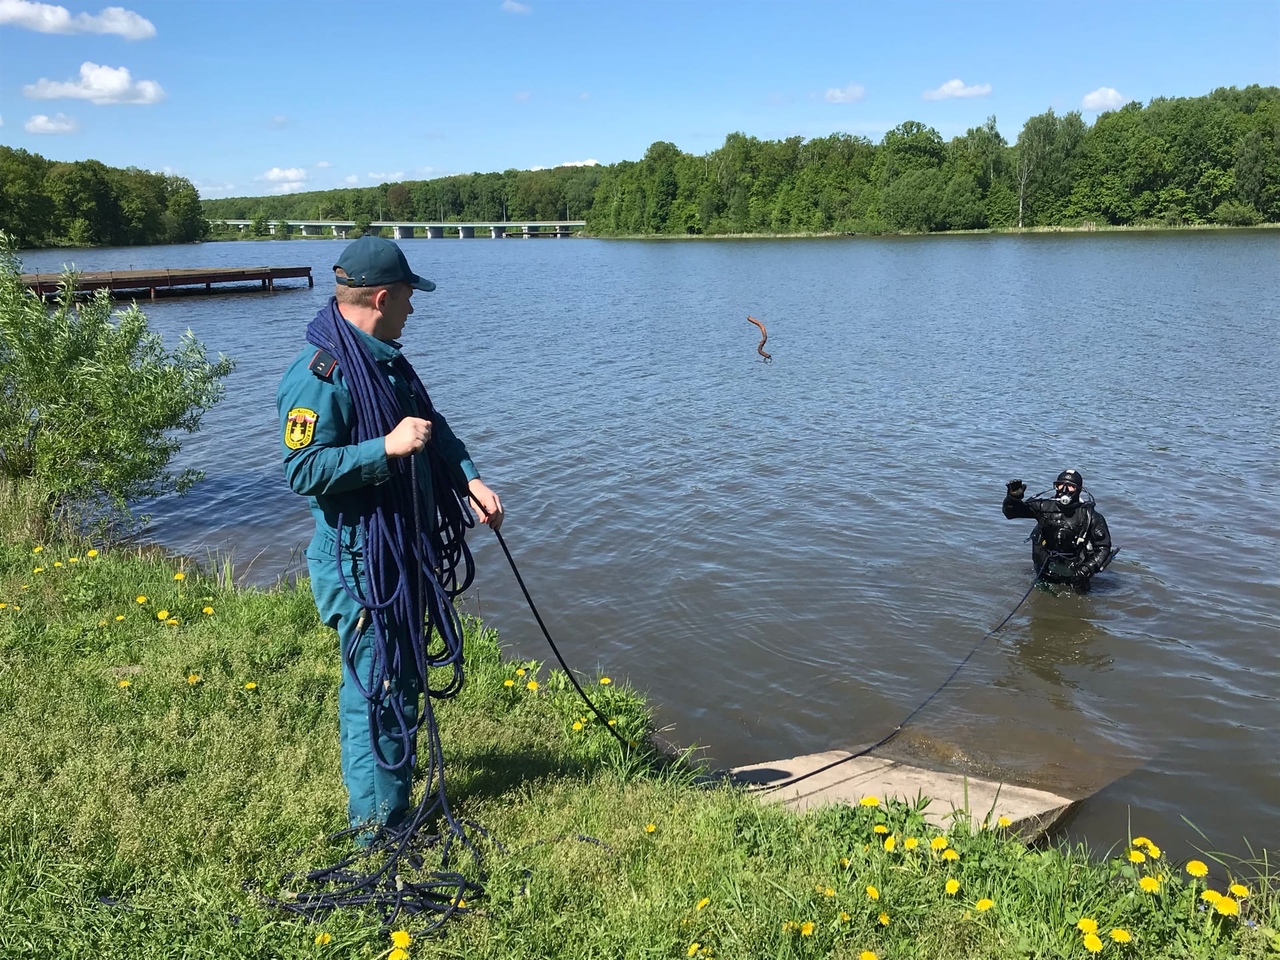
(271, 96)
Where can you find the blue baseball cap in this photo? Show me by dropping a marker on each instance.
(375, 262)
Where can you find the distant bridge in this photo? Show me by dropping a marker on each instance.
(434, 230)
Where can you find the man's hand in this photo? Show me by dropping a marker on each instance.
(1016, 488)
(485, 503)
(411, 435)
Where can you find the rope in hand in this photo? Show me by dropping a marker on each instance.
(414, 567)
(765, 788)
(764, 338)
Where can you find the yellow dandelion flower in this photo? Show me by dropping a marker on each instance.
(869, 802)
(3, 605)
(92, 553)
(789, 925)
(1227, 907)
(1149, 884)
(844, 861)
(401, 939)
(1137, 856)
(1153, 851)
(873, 893)
(1139, 842)
(1196, 868)
(519, 671)
(57, 563)
(910, 843)
(193, 679)
(806, 929)
(1087, 925)
(890, 843)
(985, 904)
(605, 681)
(1211, 896)
(952, 887)
(322, 939)
(1003, 822)
(119, 617)
(461, 904)
(1092, 943)
(613, 722)
(829, 891)
(577, 725)
(251, 685)
(123, 684)
(207, 611)
(179, 575)
(880, 828)
(172, 621)
(398, 954)
(140, 599)
(844, 916)
(102, 623)
(162, 614)
(867, 955)
(1239, 890)
(938, 843)
(532, 686)
(508, 682)
(73, 559)
(1120, 935)
(37, 548)
(38, 570)
(650, 827)
(883, 918)
(950, 854)
(702, 903)
(693, 948)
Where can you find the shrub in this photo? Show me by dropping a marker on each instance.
(90, 402)
(1235, 214)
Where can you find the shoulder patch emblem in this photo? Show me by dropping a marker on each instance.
(299, 428)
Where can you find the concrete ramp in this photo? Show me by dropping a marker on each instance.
(1033, 812)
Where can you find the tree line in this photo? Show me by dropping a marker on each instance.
(46, 203)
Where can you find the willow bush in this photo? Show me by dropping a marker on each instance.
(92, 402)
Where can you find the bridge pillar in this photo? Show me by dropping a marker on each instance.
(435, 233)
(467, 233)
(271, 229)
(562, 232)
(307, 230)
(529, 232)
(497, 232)
(403, 232)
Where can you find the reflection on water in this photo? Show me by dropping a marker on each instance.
(790, 557)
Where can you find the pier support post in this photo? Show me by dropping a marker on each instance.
(497, 232)
(402, 232)
(467, 233)
(435, 233)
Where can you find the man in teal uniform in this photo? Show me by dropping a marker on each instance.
(339, 474)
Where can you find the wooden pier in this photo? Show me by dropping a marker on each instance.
(166, 281)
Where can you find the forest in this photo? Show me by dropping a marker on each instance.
(1171, 162)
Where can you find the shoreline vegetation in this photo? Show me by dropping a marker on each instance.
(172, 752)
(1182, 161)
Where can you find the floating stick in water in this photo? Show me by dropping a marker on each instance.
(764, 337)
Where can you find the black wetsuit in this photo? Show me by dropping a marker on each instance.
(1069, 543)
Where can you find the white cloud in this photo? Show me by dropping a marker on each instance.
(289, 186)
(323, 164)
(956, 88)
(58, 123)
(48, 18)
(282, 174)
(97, 84)
(523, 96)
(850, 94)
(279, 121)
(1104, 98)
(353, 179)
(511, 6)
(387, 177)
(589, 162)
(213, 189)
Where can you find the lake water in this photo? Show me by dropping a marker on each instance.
(789, 558)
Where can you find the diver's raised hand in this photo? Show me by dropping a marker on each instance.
(1016, 489)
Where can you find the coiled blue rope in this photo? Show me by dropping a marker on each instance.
(413, 568)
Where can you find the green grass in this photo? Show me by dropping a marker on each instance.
(148, 793)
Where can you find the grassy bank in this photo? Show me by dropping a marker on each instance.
(167, 737)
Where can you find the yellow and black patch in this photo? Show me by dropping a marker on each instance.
(299, 428)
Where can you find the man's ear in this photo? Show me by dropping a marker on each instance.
(380, 298)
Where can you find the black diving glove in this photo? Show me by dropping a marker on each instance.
(1016, 488)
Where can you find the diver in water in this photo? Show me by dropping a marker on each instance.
(1070, 542)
